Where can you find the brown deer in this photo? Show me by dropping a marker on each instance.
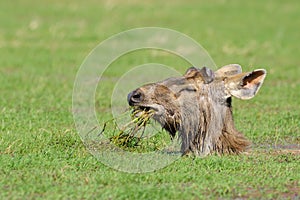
(198, 107)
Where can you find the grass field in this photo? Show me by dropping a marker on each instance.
(42, 45)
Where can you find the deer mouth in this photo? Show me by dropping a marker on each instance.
(167, 120)
(155, 108)
(143, 108)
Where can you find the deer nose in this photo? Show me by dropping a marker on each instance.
(134, 97)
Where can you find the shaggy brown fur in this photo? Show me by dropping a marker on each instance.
(198, 107)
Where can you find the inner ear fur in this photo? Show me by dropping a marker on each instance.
(245, 85)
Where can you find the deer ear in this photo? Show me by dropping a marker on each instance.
(229, 70)
(245, 85)
(206, 74)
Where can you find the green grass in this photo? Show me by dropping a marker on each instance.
(42, 45)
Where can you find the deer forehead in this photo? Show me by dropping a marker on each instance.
(179, 85)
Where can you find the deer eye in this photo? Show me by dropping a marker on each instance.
(188, 89)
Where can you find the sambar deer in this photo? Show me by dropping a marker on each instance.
(198, 107)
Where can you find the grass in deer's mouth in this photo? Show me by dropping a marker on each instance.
(130, 134)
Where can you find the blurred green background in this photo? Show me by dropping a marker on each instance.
(42, 45)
